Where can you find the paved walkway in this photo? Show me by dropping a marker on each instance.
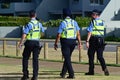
(11, 68)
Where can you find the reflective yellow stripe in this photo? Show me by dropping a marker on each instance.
(35, 32)
(98, 29)
(69, 30)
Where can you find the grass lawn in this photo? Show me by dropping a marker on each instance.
(10, 72)
(110, 57)
(14, 73)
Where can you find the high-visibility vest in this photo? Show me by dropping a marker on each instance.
(98, 28)
(34, 33)
(69, 30)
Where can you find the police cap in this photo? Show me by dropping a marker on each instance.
(66, 12)
(95, 11)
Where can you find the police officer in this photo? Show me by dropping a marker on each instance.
(95, 42)
(67, 33)
(31, 33)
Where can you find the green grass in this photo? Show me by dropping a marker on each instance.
(48, 74)
(10, 56)
(9, 71)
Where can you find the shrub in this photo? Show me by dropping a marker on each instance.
(52, 23)
(111, 38)
(83, 21)
(17, 21)
(13, 21)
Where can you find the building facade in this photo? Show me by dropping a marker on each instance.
(111, 14)
(17, 7)
(78, 7)
(52, 9)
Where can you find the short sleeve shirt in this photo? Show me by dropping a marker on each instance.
(62, 26)
(90, 27)
(28, 27)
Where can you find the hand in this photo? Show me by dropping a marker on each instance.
(20, 45)
(87, 44)
(79, 46)
(55, 46)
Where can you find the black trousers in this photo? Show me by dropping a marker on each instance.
(31, 46)
(67, 47)
(98, 47)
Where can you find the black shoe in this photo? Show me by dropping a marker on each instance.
(70, 77)
(106, 72)
(24, 78)
(34, 78)
(62, 75)
(89, 73)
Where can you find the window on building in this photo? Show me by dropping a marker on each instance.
(75, 1)
(21, 0)
(96, 1)
(16, 0)
(27, 0)
(5, 5)
(91, 1)
(9, 1)
(99, 2)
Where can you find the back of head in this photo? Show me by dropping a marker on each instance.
(32, 13)
(66, 12)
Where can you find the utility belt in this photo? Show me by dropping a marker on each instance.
(97, 41)
(97, 36)
(31, 43)
(68, 41)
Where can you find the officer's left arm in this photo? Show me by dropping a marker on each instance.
(78, 34)
(41, 29)
(79, 39)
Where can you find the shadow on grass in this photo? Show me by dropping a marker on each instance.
(19, 78)
(43, 75)
(10, 78)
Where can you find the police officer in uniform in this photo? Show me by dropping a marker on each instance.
(32, 34)
(68, 32)
(95, 43)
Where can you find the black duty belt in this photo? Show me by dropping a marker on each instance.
(97, 36)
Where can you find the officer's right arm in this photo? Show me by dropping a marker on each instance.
(60, 29)
(22, 40)
(25, 32)
(42, 30)
(87, 40)
(56, 41)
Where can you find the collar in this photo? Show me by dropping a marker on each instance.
(33, 18)
(96, 18)
(67, 18)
